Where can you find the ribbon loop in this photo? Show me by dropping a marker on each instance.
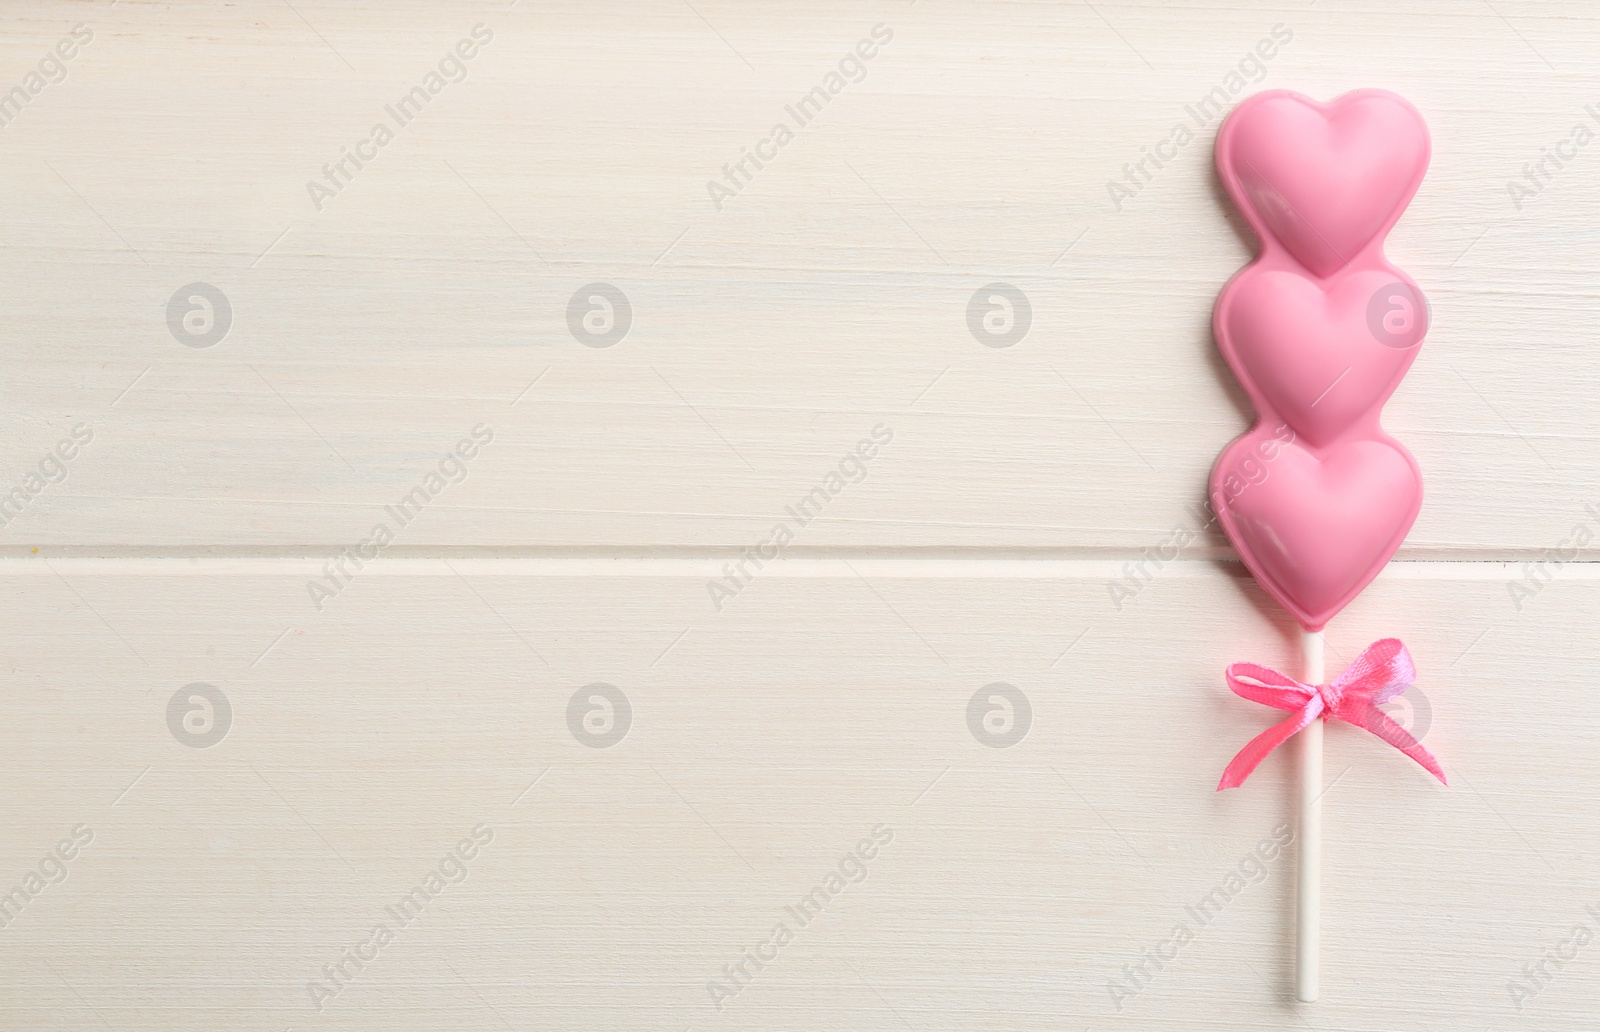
(1383, 671)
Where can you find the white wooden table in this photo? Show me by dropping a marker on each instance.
(243, 726)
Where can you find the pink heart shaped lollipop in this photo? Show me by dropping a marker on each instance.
(1310, 329)
(1317, 504)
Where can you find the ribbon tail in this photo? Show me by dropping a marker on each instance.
(1258, 747)
(1429, 763)
(1379, 723)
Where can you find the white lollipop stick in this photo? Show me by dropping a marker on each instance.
(1308, 910)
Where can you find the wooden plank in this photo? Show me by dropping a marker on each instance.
(828, 296)
(426, 700)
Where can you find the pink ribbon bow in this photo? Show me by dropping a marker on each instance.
(1380, 673)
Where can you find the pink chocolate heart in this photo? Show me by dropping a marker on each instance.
(1316, 525)
(1324, 180)
(1325, 355)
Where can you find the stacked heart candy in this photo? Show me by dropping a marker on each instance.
(1319, 329)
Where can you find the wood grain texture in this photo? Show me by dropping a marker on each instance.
(1004, 535)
